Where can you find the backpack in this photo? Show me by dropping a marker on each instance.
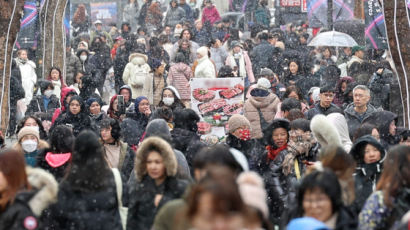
(138, 77)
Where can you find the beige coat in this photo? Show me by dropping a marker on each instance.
(267, 105)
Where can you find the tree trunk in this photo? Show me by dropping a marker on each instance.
(11, 12)
(53, 35)
(398, 29)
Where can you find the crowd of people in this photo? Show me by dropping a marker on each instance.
(111, 141)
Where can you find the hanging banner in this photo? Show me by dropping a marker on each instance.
(317, 12)
(105, 12)
(28, 34)
(216, 100)
(375, 32)
(304, 6)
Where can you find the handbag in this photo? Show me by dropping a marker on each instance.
(123, 210)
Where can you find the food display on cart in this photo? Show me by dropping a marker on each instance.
(215, 101)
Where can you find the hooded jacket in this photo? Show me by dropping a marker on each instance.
(37, 106)
(143, 189)
(352, 118)
(205, 68)
(210, 14)
(382, 120)
(130, 104)
(175, 15)
(65, 92)
(79, 122)
(178, 76)
(267, 105)
(367, 175)
(28, 206)
(340, 123)
(133, 126)
(137, 74)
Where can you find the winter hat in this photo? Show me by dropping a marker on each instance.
(92, 100)
(266, 72)
(263, 83)
(237, 121)
(203, 51)
(315, 94)
(28, 130)
(138, 101)
(98, 22)
(157, 127)
(175, 91)
(357, 48)
(84, 43)
(253, 193)
(235, 44)
(324, 131)
(126, 87)
(306, 223)
(277, 123)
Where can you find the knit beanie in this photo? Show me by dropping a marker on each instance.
(138, 101)
(237, 121)
(203, 51)
(253, 193)
(27, 130)
(263, 83)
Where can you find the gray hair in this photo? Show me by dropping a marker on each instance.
(362, 87)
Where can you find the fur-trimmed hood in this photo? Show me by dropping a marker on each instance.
(46, 186)
(164, 149)
(134, 55)
(324, 131)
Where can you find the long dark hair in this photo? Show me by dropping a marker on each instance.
(42, 131)
(61, 139)
(177, 101)
(396, 173)
(89, 170)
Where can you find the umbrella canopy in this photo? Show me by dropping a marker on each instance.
(333, 38)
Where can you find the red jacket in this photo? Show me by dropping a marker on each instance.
(211, 15)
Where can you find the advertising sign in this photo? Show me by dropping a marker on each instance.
(375, 31)
(216, 100)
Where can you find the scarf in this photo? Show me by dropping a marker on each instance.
(56, 160)
(272, 152)
(298, 145)
(241, 67)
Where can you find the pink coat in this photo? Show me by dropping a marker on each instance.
(178, 76)
(211, 15)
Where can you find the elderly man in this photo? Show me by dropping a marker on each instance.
(360, 110)
(325, 105)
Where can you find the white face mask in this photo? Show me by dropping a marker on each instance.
(168, 101)
(29, 146)
(48, 93)
(83, 58)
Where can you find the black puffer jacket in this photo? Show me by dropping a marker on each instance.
(245, 147)
(133, 127)
(24, 213)
(382, 120)
(142, 194)
(36, 106)
(320, 110)
(262, 56)
(80, 210)
(187, 142)
(78, 122)
(367, 175)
